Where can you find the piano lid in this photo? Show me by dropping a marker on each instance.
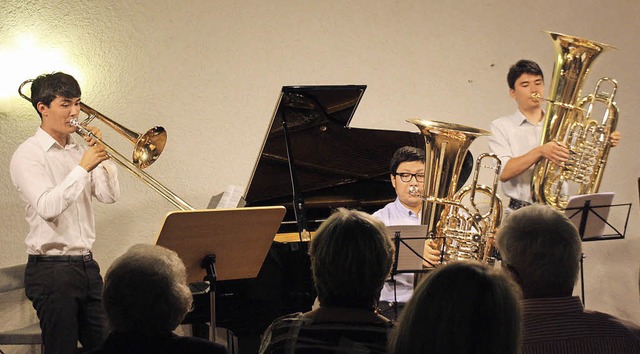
(337, 166)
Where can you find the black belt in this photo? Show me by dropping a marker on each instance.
(516, 204)
(44, 258)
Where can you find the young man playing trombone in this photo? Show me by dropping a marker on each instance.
(57, 179)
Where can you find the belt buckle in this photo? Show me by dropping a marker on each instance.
(517, 204)
(87, 257)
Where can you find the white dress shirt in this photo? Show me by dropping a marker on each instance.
(515, 136)
(396, 213)
(57, 194)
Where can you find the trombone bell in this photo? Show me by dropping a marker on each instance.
(149, 146)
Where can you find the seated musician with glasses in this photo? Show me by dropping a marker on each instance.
(407, 170)
(516, 137)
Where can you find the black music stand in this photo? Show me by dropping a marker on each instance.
(590, 214)
(221, 244)
(409, 241)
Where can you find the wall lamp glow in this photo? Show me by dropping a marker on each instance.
(25, 59)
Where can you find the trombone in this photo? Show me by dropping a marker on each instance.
(148, 148)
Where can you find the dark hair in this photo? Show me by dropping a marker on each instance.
(405, 154)
(351, 256)
(45, 88)
(523, 66)
(459, 308)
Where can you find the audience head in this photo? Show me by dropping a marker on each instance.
(45, 88)
(523, 66)
(351, 256)
(146, 291)
(461, 307)
(542, 249)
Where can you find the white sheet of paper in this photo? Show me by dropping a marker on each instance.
(595, 226)
(413, 238)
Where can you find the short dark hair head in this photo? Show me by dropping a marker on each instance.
(351, 256)
(523, 66)
(45, 88)
(405, 154)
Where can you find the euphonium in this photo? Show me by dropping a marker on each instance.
(568, 121)
(462, 225)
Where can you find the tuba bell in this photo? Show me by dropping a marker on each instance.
(568, 120)
(462, 225)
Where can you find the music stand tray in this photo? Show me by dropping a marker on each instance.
(239, 238)
(590, 214)
(409, 241)
(221, 244)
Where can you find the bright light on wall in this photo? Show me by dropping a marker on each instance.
(26, 59)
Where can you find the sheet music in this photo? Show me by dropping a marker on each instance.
(230, 197)
(600, 202)
(413, 238)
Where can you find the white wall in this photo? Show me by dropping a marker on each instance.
(210, 73)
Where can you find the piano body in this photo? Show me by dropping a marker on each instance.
(334, 165)
(311, 162)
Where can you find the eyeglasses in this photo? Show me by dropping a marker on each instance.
(406, 176)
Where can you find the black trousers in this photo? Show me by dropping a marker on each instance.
(67, 296)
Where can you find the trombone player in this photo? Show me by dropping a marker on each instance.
(56, 179)
(516, 137)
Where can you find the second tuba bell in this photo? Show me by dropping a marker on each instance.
(569, 120)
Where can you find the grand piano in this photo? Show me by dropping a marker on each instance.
(311, 162)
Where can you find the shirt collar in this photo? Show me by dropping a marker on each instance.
(404, 210)
(519, 119)
(552, 304)
(46, 141)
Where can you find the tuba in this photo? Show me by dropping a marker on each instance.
(568, 120)
(462, 225)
